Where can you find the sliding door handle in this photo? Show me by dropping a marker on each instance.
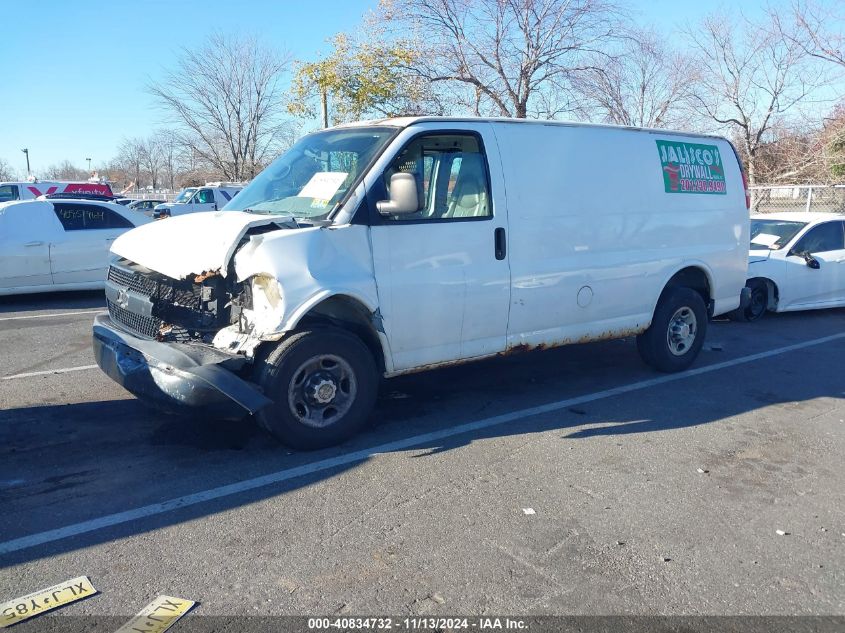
(500, 243)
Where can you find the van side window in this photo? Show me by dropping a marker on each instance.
(9, 192)
(451, 172)
(822, 238)
(81, 217)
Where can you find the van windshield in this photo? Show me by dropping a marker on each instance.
(185, 194)
(312, 177)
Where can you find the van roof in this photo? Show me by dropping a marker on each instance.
(403, 122)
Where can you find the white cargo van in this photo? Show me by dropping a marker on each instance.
(211, 197)
(407, 244)
(32, 189)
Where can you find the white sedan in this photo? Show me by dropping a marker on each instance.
(796, 262)
(57, 244)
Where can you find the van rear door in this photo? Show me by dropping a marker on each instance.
(442, 272)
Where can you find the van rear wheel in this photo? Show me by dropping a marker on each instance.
(323, 383)
(674, 338)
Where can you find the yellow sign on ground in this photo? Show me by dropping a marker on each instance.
(158, 616)
(20, 609)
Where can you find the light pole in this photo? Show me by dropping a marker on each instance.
(25, 150)
(89, 165)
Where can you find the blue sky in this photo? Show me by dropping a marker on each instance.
(75, 72)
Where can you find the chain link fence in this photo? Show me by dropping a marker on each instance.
(829, 198)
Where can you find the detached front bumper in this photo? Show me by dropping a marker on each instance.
(175, 377)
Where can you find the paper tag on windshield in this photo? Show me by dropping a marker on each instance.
(323, 185)
(765, 239)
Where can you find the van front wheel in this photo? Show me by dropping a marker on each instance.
(323, 383)
(674, 338)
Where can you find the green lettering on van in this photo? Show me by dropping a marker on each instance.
(691, 168)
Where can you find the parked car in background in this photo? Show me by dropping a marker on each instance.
(30, 190)
(796, 262)
(211, 197)
(124, 201)
(411, 243)
(59, 244)
(144, 206)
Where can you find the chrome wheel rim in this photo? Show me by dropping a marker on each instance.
(322, 390)
(683, 328)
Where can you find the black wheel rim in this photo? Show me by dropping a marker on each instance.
(757, 308)
(322, 390)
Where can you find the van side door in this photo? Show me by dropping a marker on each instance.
(442, 272)
(203, 200)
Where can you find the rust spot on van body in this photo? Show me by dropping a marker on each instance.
(525, 347)
(603, 336)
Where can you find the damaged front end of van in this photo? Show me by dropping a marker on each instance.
(191, 301)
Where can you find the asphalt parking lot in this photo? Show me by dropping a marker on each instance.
(651, 494)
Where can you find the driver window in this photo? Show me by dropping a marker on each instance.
(9, 192)
(204, 196)
(451, 173)
(822, 238)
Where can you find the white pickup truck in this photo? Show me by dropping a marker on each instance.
(382, 248)
(211, 197)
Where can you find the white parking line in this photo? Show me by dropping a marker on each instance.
(46, 372)
(53, 314)
(185, 501)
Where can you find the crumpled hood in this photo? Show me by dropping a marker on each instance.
(190, 244)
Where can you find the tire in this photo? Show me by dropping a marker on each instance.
(682, 310)
(758, 305)
(323, 383)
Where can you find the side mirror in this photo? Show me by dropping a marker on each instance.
(405, 196)
(811, 261)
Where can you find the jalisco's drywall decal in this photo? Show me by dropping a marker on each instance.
(33, 604)
(691, 168)
(158, 616)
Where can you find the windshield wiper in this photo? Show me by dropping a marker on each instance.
(313, 221)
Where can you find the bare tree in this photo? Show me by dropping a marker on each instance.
(832, 144)
(792, 155)
(643, 84)
(510, 57)
(6, 171)
(114, 171)
(172, 150)
(816, 28)
(65, 170)
(130, 155)
(747, 79)
(226, 98)
(152, 157)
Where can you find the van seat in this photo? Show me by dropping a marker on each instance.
(469, 199)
